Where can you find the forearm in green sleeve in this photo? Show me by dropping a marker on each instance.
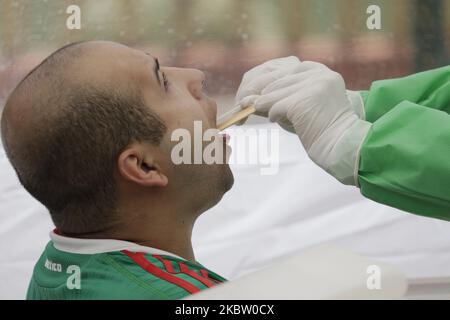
(405, 160)
(429, 89)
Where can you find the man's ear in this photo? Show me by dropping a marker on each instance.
(137, 165)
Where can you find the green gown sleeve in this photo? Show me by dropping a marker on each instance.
(430, 89)
(405, 158)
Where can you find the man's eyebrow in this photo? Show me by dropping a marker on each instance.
(155, 68)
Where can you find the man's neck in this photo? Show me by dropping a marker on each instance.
(174, 238)
(164, 231)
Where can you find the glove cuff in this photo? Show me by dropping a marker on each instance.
(356, 103)
(347, 152)
(340, 157)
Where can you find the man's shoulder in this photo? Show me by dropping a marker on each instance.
(171, 273)
(116, 275)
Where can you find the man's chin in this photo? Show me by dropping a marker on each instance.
(225, 183)
(228, 178)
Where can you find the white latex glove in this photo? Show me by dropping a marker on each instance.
(257, 79)
(314, 103)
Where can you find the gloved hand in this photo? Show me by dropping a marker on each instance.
(313, 102)
(257, 79)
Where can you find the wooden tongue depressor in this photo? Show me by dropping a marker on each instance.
(244, 113)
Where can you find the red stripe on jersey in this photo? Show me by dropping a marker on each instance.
(169, 268)
(206, 275)
(184, 269)
(139, 258)
(166, 263)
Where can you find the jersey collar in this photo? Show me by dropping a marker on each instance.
(93, 246)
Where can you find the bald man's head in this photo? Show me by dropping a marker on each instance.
(64, 126)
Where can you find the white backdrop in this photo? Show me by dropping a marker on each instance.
(262, 219)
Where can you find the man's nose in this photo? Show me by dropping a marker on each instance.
(194, 80)
(195, 75)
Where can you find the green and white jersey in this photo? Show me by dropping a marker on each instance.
(72, 268)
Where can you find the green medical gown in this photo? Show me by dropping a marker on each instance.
(405, 158)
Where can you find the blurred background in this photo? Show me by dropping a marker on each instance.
(224, 38)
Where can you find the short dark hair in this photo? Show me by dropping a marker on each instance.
(69, 160)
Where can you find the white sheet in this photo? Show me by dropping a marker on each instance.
(310, 276)
(262, 219)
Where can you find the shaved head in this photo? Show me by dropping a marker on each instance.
(64, 126)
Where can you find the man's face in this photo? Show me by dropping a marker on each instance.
(176, 95)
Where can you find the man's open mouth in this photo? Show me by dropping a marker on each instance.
(226, 137)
